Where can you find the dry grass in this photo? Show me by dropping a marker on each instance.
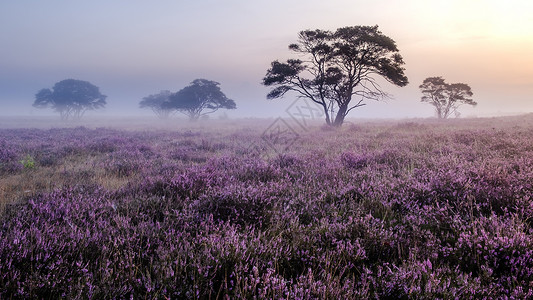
(14, 187)
(75, 170)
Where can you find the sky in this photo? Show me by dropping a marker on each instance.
(131, 49)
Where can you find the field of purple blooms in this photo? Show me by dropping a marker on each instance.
(383, 210)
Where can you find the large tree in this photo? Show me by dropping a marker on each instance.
(446, 98)
(200, 98)
(71, 98)
(337, 67)
(156, 103)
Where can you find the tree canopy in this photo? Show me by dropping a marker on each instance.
(200, 98)
(446, 98)
(337, 67)
(71, 98)
(156, 103)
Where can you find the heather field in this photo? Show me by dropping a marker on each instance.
(390, 209)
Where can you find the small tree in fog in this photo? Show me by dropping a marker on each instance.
(446, 98)
(156, 103)
(71, 98)
(198, 99)
(337, 67)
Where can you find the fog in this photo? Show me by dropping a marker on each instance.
(131, 49)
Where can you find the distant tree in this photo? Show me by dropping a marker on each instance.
(446, 98)
(156, 103)
(71, 98)
(198, 99)
(336, 67)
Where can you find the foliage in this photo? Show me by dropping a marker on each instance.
(28, 162)
(407, 210)
(198, 99)
(446, 98)
(156, 103)
(71, 98)
(337, 67)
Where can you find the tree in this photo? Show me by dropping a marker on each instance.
(336, 67)
(446, 98)
(198, 99)
(156, 103)
(71, 98)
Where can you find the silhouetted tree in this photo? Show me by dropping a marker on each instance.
(71, 98)
(200, 98)
(446, 98)
(156, 103)
(336, 67)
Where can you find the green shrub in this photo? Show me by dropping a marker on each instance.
(28, 162)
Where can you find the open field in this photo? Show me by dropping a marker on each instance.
(395, 209)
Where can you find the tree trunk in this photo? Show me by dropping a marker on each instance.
(439, 112)
(341, 114)
(328, 119)
(64, 115)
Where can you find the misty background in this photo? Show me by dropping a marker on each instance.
(131, 49)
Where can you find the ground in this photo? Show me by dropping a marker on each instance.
(268, 209)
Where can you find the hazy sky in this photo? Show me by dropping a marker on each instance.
(131, 49)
